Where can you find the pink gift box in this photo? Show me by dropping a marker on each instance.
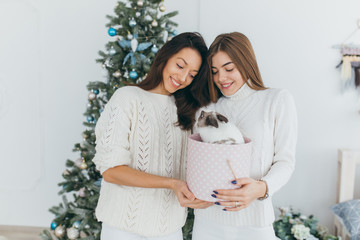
(208, 168)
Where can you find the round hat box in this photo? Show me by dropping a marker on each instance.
(212, 166)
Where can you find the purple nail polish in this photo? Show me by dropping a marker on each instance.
(213, 195)
(217, 203)
(224, 209)
(215, 192)
(234, 182)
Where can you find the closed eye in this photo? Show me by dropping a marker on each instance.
(179, 66)
(229, 70)
(213, 72)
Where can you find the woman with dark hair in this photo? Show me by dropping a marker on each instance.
(141, 145)
(268, 117)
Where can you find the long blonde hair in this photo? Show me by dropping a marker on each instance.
(239, 49)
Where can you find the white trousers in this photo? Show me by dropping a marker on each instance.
(111, 233)
(206, 229)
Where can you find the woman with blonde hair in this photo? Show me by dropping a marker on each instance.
(265, 115)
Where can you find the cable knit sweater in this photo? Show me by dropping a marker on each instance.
(268, 118)
(137, 129)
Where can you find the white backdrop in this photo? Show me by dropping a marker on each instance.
(47, 56)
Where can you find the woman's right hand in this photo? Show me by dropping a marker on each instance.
(186, 198)
(183, 194)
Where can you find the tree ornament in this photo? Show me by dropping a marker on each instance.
(140, 3)
(60, 231)
(91, 96)
(162, 8)
(53, 225)
(154, 23)
(154, 49)
(132, 23)
(112, 32)
(134, 44)
(96, 91)
(133, 74)
(169, 38)
(165, 35)
(66, 172)
(77, 224)
(126, 74)
(103, 65)
(174, 33)
(112, 51)
(130, 36)
(82, 192)
(83, 165)
(73, 233)
(137, 14)
(83, 144)
(117, 74)
(78, 162)
(119, 38)
(148, 18)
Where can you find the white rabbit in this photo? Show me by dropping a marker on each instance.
(216, 128)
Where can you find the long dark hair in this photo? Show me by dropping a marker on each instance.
(188, 100)
(239, 49)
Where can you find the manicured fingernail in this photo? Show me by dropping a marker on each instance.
(217, 203)
(213, 195)
(215, 192)
(234, 182)
(224, 209)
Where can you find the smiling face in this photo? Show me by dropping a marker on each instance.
(179, 71)
(225, 74)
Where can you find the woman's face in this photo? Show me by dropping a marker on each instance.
(225, 74)
(180, 70)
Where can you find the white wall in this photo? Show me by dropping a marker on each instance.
(47, 56)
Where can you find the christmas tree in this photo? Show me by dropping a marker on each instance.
(138, 30)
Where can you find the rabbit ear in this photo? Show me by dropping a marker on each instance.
(211, 121)
(221, 118)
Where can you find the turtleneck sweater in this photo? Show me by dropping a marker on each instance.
(137, 129)
(268, 117)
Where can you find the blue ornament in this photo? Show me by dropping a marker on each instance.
(53, 225)
(154, 49)
(98, 182)
(96, 91)
(112, 32)
(133, 74)
(77, 224)
(90, 119)
(101, 110)
(174, 33)
(132, 23)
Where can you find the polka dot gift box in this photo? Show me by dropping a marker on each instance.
(208, 166)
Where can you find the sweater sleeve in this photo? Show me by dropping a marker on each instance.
(113, 132)
(285, 137)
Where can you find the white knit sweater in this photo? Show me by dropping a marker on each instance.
(137, 129)
(268, 117)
